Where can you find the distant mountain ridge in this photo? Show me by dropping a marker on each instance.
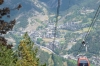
(65, 4)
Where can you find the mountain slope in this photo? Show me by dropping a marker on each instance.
(37, 17)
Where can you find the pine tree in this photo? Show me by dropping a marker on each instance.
(6, 26)
(27, 54)
(7, 57)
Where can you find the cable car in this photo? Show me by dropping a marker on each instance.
(83, 61)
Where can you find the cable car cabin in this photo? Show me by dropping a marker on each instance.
(83, 61)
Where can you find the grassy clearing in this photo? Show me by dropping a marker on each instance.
(46, 50)
(83, 30)
(51, 39)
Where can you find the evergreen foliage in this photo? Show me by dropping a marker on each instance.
(27, 55)
(6, 26)
(71, 63)
(58, 61)
(7, 57)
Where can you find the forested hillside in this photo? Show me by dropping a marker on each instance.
(38, 17)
